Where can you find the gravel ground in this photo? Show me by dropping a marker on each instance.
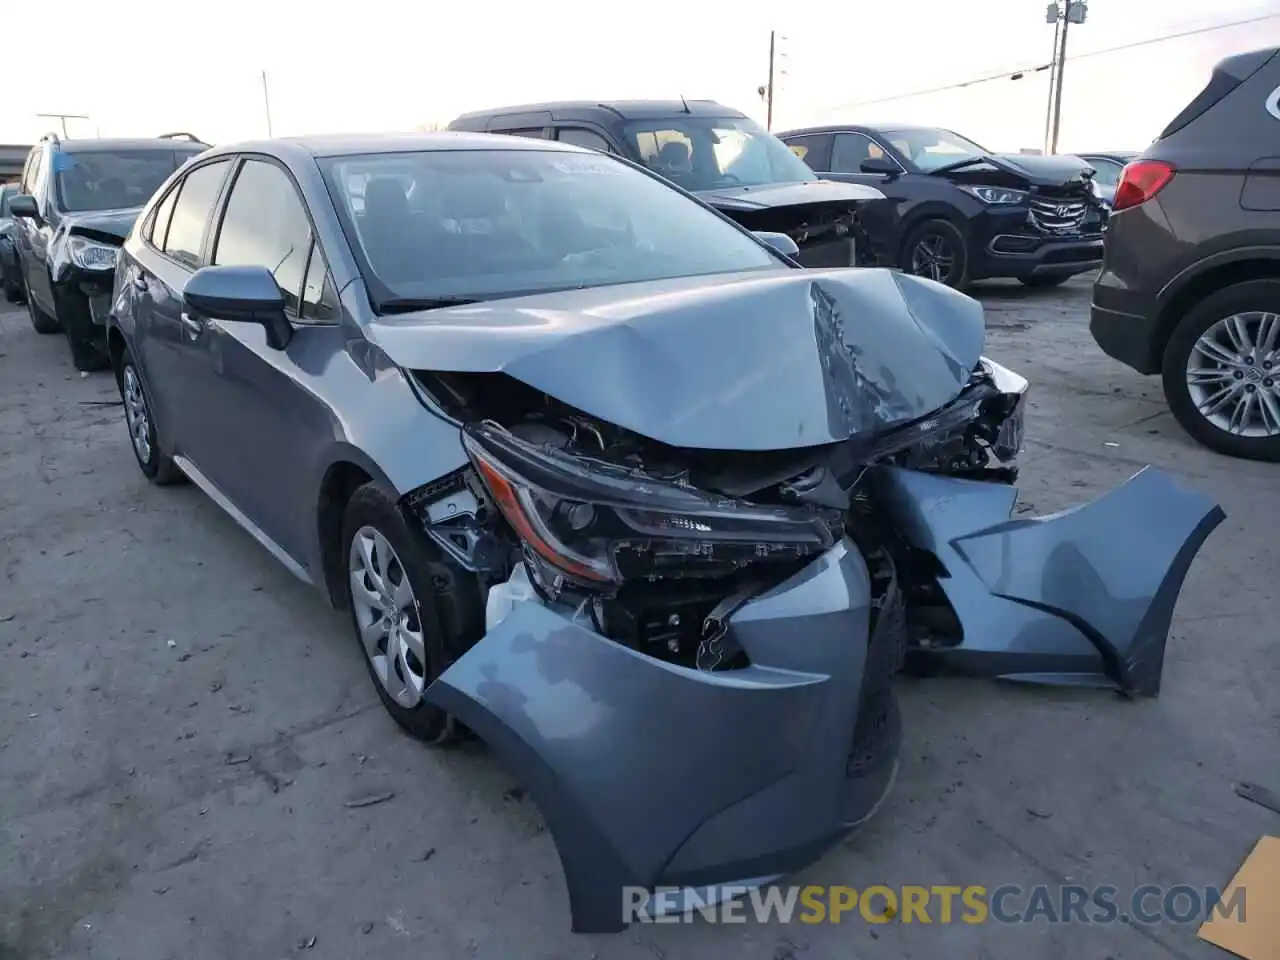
(183, 726)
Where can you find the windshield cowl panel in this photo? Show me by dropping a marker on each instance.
(434, 227)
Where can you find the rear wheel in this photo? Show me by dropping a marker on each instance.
(1045, 280)
(1222, 371)
(412, 612)
(937, 250)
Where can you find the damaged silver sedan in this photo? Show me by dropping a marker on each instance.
(614, 485)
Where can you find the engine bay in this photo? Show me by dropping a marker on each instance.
(654, 546)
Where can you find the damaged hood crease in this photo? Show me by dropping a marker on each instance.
(770, 360)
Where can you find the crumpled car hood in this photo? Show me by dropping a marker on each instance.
(769, 195)
(772, 360)
(106, 225)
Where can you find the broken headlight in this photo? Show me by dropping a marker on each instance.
(601, 523)
(990, 409)
(92, 255)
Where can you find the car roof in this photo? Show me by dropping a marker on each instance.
(623, 109)
(339, 145)
(856, 128)
(108, 144)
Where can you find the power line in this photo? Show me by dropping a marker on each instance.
(1019, 73)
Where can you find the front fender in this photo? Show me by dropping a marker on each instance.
(1081, 597)
(652, 774)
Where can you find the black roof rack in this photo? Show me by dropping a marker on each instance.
(180, 135)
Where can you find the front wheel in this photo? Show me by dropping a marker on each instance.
(154, 463)
(41, 322)
(1221, 371)
(937, 250)
(412, 611)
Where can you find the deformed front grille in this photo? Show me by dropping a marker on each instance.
(1058, 215)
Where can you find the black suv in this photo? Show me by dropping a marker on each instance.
(1191, 284)
(956, 212)
(78, 200)
(718, 154)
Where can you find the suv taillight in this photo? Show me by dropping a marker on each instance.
(1140, 181)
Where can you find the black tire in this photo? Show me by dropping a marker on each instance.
(446, 598)
(156, 466)
(1255, 295)
(944, 234)
(1045, 281)
(41, 322)
(85, 338)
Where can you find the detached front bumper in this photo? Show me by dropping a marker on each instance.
(652, 775)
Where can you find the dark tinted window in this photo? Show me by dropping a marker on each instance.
(191, 213)
(584, 138)
(266, 225)
(850, 149)
(536, 133)
(705, 153)
(7, 192)
(814, 149)
(115, 180)
(160, 219)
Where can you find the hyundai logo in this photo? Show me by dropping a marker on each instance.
(1063, 210)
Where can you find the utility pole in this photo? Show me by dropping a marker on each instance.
(266, 101)
(768, 123)
(1051, 15)
(63, 117)
(1076, 11)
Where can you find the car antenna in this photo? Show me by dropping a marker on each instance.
(685, 103)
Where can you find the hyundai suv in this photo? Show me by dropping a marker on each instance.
(76, 204)
(1190, 287)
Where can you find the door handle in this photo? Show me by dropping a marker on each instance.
(140, 283)
(193, 326)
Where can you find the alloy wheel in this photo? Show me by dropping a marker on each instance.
(387, 617)
(933, 257)
(1233, 374)
(136, 414)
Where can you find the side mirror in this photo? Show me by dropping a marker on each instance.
(246, 294)
(24, 205)
(881, 166)
(780, 242)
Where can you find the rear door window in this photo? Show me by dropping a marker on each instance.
(158, 229)
(580, 136)
(813, 149)
(191, 213)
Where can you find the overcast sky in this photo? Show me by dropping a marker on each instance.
(145, 68)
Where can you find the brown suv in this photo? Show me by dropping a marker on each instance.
(1190, 285)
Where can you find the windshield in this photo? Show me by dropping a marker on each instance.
(7, 192)
(710, 153)
(493, 223)
(119, 180)
(931, 149)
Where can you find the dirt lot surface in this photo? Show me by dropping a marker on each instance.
(183, 725)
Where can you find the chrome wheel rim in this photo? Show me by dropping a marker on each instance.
(136, 414)
(933, 257)
(1233, 374)
(387, 617)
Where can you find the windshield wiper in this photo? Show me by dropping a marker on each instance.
(960, 164)
(409, 304)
